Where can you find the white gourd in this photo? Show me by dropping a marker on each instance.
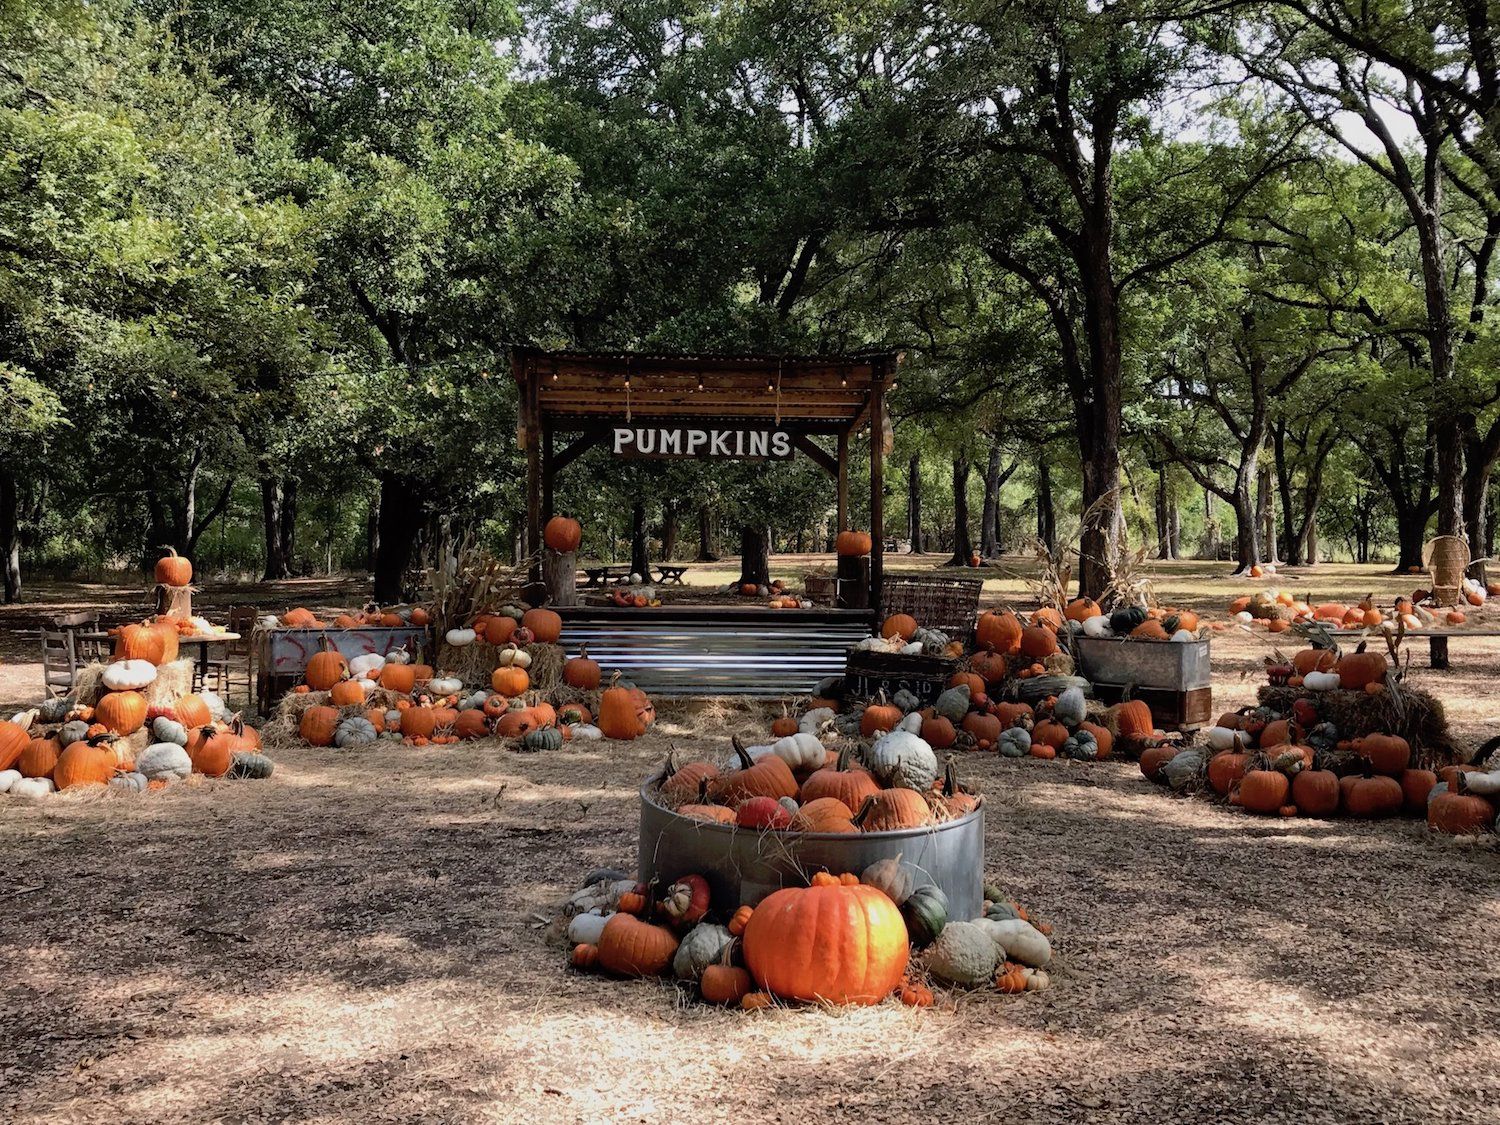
(585, 929)
(1097, 626)
(587, 732)
(903, 759)
(1019, 940)
(398, 656)
(1484, 784)
(912, 723)
(800, 751)
(163, 760)
(912, 649)
(1226, 738)
(1244, 617)
(814, 719)
(458, 638)
(216, 707)
(446, 685)
(1321, 681)
(33, 788)
(704, 945)
(8, 778)
(789, 803)
(1182, 636)
(963, 954)
(128, 783)
(366, 663)
(129, 675)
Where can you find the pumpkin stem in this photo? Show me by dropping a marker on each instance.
(845, 755)
(950, 777)
(703, 792)
(746, 761)
(859, 818)
(669, 767)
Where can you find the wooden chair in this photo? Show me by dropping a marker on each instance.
(70, 642)
(233, 659)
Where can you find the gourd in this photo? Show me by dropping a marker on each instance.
(1184, 768)
(33, 788)
(1014, 742)
(1070, 708)
(911, 724)
(704, 945)
(459, 638)
(812, 720)
(1225, 738)
(587, 928)
(366, 663)
(907, 701)
(587, 732)
(953, 704)
(903, 759)
(512, 657)
(249, 765)
(128, 675)
(963, 954)
(543, 738)
(1321, 681)
(1097, 627)
(447, 685)
(1019, 940)
(164, 761)
(891, 876)
(128, 782)
(1080, 745)
(926, 913)
(55, 710)
(76, 731)
(1124, 620)
(800, 751)
(8, 778)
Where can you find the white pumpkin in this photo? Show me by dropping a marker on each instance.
(1244, 617)
(1484, 784)
(912, 649)
(1226, 738)
(900, 758)
(703, 946)
(1097, 626)
(447, 685)
(912, 723)
(1019, 940)
(398, 656)
(800, 751)
(129, 675)
(511, 656)
(1071, 708)
(215, 705)
(585, 929)
(393, 719)
(163, 760)
(366, 663)
(8, 778)
(964, 953)
(758, 752)
(1321, 681)
(33, 788)
(587, 732)
(1182, 636)
(458, 638)
(268, 621)
(812, 720)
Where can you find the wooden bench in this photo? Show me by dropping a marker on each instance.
(1437, 642)
(600, 575)
(670, 574)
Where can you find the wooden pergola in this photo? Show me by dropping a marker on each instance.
(708, 406)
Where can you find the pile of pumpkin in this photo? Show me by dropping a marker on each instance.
(373, 698)
(1135, 622)
(63, 745)
(1278, 610)
(844, 939)
(370, 617)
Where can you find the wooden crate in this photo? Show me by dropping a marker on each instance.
(867, 673)
(1171, 710)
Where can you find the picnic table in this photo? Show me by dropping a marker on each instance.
(1437, 641)
(612, 572)
(671, 574)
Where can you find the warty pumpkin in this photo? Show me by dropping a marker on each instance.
(833, 942)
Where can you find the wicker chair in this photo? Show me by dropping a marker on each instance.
(1446, 560)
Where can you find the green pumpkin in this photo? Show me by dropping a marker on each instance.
(993, 893)
(1001, 912)
(1014, 743)
(953, 704)
(926, 913)
(248, 764)
(1171, 623)
(907, 701)
(55, 710)
(545, 738)
(1122, 621)
(1081, 745)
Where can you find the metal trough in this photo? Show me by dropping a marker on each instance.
(744, 866)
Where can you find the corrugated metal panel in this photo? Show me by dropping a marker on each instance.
(717, 657)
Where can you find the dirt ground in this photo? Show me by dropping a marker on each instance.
(356, 939)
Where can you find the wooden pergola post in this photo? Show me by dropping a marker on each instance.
(530, 433)
(843, 481)
(877, 482)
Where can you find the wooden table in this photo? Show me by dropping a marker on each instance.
(1437, 641)
(202, 641)
(671, 574)
(599, 575)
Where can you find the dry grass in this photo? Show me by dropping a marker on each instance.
(355, 941)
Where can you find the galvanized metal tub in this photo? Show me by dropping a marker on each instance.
(1170, 665)
(744, 866)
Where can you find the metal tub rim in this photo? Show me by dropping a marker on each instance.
(729, 829)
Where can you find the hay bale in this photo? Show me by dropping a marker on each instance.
(283, 728)
(172, 681)
(1416, 716)
(474, 663)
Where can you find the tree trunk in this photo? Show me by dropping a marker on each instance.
(989, 514)
(669, 524)
(914, 504)
(962, 546)
(10, 537)
(755, 555)
(1450, 465)
(1265, 509)
(640, 555)
(278, 560)
(1247, 541)
(372, 533)
(1046, 509)
(1291, 542)
(1476, 494)
(706, 535)
(1310, 536)
(1163, 514)
(401, 517)
(1174, 514)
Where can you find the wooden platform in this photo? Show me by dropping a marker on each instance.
(717, 650)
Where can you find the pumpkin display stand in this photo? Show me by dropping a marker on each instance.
(174, 601)
(1174, 679)
(1418, 717)
(744, 866)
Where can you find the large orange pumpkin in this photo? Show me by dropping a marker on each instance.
(172, 570)
(562, 534)
(418, 722)
(122, 712)
(85, 763)
(472, 723)
(212, 750)
(622, 715)
(192, 711)
(629, 947)
(146, 642)
(326, 668)
(582, 672)
(769, 777)
(852, 544)
(38, 758)
(831, 941)
(318, 725)
(1360, 669)
(398, 677)
(510, 681)
(13, 743)
(545, 625)
(347, 693)
(1038, 642)
(498, 630)
(1000, 632)
(844, 781)
(902, 625)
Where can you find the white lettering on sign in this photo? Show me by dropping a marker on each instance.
(677, 441)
